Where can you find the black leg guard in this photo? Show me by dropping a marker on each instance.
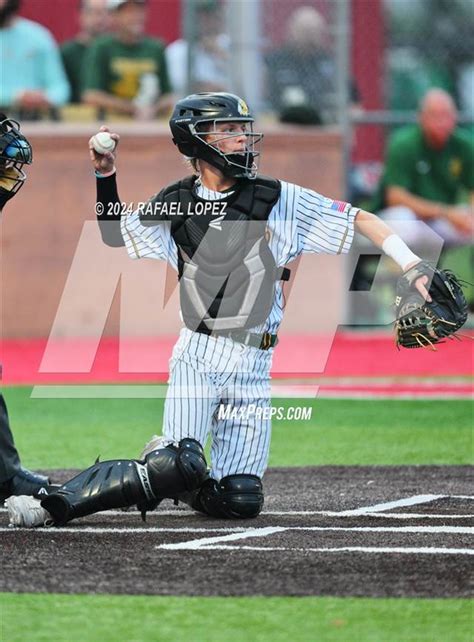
(234, 497)
(118, 483)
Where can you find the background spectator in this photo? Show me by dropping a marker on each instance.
(427, 168)
(93, 21)
(431, 45)
(210, 54)
(302, 73)
(126, 72)
(33, 81)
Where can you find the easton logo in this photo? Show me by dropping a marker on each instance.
(143, 474)
(216, 223)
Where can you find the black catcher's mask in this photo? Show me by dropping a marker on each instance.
(196, 116)
(15, 151)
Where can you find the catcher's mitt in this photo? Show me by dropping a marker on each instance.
(420, 323)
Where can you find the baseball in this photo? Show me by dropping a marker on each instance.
(103, 142)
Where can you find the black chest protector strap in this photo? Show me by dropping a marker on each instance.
(226, 269)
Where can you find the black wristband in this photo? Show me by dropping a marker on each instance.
(107, 194)
(108, 216)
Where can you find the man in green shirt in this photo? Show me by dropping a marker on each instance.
(427, 168)
(93, 22)
(126, 73)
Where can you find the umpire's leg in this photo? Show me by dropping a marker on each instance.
(14, 479)
(9, 458)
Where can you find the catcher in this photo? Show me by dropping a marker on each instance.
(230, 270)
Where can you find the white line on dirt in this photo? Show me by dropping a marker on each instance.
(292, 513)
(79, 530)
(410, 516)
(202, 542)
(466, 530)
(242, 532)
(349, 549)
(210, 542)
(398, 503)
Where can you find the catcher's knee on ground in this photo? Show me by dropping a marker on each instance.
(233, 497)
(166, 472)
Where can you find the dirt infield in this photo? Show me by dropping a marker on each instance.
(346, 531)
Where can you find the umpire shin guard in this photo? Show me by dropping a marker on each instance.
(119, 483)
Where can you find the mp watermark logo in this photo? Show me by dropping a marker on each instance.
(147, 308)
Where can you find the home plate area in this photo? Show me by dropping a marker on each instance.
(330, 530)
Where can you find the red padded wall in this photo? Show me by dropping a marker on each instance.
(60, 17)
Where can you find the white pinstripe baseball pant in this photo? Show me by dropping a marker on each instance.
(206, 372)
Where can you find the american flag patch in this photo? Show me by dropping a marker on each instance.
(339, 206)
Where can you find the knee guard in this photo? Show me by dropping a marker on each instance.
(176, 469)
(234, 497)
(119, 483)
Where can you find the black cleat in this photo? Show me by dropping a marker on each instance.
(25, 482)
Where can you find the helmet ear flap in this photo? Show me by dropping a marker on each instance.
(186, 148)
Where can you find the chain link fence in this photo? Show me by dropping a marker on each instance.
(426, 44)
(317, 62)
(282, 56)
(429, 43)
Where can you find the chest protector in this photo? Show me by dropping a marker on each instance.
(226, 270)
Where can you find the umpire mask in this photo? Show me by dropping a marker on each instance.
(15, 151)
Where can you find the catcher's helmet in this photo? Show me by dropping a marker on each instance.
(15, 151)
(192, 121)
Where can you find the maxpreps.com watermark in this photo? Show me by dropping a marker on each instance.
(252, 411)
(162, 209)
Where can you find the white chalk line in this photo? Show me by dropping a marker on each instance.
(241, 532)
(374, 510)
(290, 513)
(201, 542)
(205, 544)
(263, 532)
(79, 530)
(410, 516)
(466, 530)
(414, 500)
(362, 511)
(398, 503)
(235, 534)
(348, 549)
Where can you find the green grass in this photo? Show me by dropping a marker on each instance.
(70, 433)
(102, 618)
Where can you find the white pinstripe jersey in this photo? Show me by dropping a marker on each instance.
(301, 221)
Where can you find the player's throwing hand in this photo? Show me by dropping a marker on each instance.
(103, 160)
